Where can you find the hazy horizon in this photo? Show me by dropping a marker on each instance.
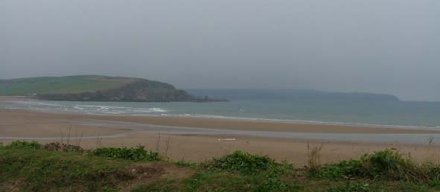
(389, 47)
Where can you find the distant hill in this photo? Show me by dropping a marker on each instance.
(95, 88)
(294, 94)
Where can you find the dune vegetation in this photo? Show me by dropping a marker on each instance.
(31, 166)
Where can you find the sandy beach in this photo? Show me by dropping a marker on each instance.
(198, 139)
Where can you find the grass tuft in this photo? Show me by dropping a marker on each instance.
(243, 162)
(135, 153)
(313, 157)
(24, 145)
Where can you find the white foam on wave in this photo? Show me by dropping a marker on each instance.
(149, 110)
(99, 107)
(158, 110)
(117, 109)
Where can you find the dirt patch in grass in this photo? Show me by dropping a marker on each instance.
(147, 174)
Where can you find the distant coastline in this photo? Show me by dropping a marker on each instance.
(98, 88)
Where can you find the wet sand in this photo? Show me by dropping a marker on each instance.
(187, 138)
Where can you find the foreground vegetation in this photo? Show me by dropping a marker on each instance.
(30, 166)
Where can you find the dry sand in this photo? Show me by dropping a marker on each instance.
(47, 127)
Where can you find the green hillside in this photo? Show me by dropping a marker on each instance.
(93, 88)
(69, 84)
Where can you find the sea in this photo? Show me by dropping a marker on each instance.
(303, 106)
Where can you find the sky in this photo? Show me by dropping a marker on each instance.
(379, 46)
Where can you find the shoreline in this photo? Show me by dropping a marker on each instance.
(220, 117)
(240, 124)
(91, 131)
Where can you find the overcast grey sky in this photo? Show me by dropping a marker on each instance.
(383, 46)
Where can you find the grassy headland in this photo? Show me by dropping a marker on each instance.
(60, 85)
(30, 166)
(94, 88)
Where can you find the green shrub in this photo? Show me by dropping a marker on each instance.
(242, 171)
(344, 169)
(24, 145)
(385, 163)
(135, 153)
(388, 164)
(243, 162)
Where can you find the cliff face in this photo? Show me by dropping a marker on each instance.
(138, 90)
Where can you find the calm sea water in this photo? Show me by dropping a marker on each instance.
(268, 105)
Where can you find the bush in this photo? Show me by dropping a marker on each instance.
(24, 145)
(344, 169)
(388, 164)
(135, 153)
(243, 162)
